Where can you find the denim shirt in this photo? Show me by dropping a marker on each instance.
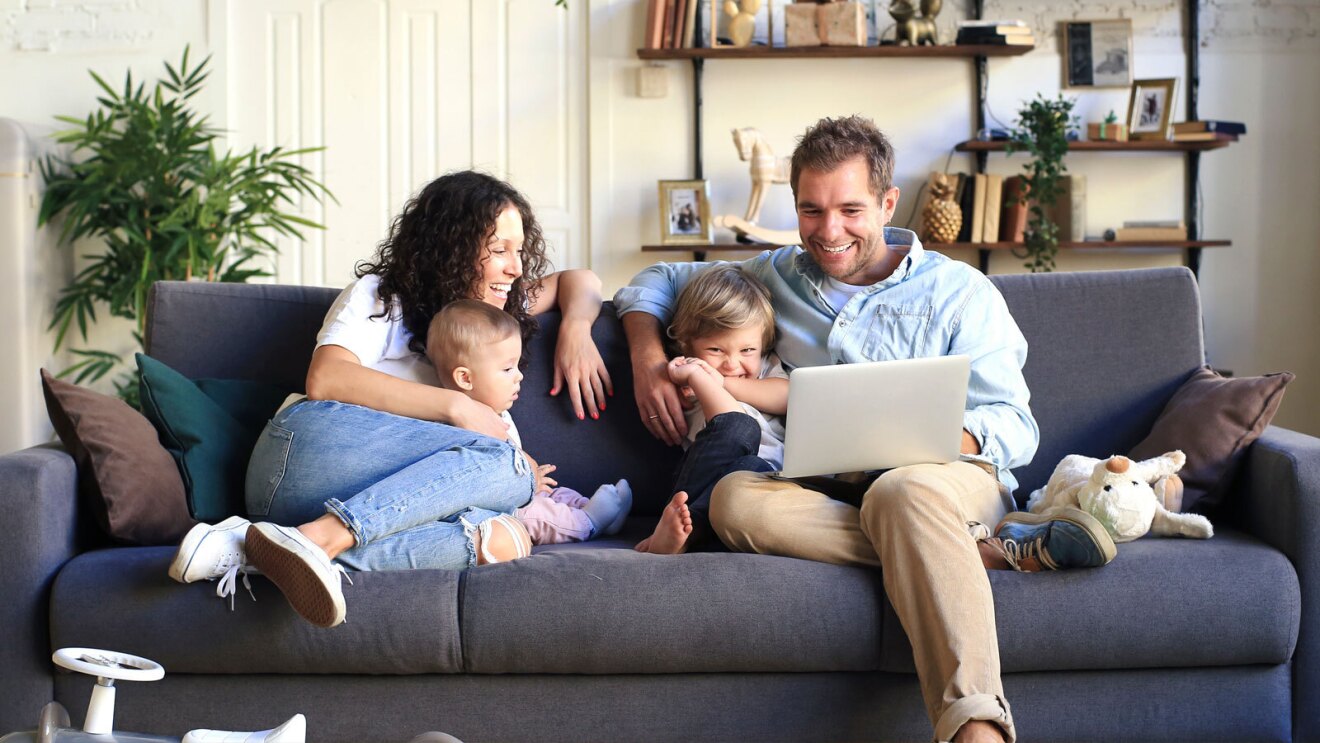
(930, 306)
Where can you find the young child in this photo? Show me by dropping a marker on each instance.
(724, 326)
(475, 349)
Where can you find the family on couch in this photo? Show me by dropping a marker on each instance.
(381, 467)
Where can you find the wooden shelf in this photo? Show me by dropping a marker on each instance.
(835, 52)
(1094, 245)
(1088, 245)
(1141, 145)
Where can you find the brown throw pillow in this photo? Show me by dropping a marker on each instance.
(1213, 419)
(125, 476)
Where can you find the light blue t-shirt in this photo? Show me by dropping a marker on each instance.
(930, 306)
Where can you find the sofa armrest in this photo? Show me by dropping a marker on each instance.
(1280, 504)
(39, 513)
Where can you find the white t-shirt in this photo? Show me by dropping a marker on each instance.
(380, 343)
(772, 426)
(838, 293)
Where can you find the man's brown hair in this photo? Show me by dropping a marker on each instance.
(832, 142)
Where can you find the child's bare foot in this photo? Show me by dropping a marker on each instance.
(671, 534)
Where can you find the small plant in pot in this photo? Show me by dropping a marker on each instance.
(145, 179)
(1042, 132)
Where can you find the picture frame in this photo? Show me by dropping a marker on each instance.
(1097, 54)
(685, 213)
(1150, 108)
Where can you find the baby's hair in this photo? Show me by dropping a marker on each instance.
(722, 298)
(463, 326)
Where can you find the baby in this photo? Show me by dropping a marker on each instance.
(724, 326)
(475, 349)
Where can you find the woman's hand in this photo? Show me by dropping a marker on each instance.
(580, 369)
(475, 416)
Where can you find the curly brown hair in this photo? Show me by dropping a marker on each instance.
(436, 246)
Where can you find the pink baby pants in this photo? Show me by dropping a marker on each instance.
(556, 518)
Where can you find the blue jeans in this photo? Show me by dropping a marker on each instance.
(728, 443)
(411, 492)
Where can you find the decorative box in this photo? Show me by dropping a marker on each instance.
(1101, 132)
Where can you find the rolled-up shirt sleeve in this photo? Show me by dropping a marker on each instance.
(655, 290)
(998, 401)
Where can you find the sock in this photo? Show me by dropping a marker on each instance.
(626, 496)
(606, 507)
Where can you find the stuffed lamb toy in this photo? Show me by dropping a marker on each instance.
(1128, 498)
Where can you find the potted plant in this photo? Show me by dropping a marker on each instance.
(1043, 133)
(146, 179)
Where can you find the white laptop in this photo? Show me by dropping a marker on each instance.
(875, 415)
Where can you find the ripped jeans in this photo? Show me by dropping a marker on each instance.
(411, 491)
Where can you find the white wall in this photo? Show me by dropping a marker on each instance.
(1260, 64)
(46, 49)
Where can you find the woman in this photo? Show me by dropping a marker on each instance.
(380, 467)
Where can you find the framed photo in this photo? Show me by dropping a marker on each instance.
(685, 213)
(1150, 108)
(1097, 54)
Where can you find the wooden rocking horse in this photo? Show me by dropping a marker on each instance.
(767, 169)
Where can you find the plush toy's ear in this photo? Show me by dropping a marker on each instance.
(1169, 492)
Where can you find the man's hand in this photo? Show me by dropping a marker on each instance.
(475, 416)
(969, 443)
(659, 403)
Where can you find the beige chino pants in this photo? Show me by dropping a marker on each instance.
(913, 523)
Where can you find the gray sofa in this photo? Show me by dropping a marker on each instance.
(1175, 640)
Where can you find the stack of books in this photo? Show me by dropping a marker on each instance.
(673, 24)
(1158, 230)
(1207, 131)
(995, 33)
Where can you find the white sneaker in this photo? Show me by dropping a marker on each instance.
(209, 551)
(292, 731)
(301, 569)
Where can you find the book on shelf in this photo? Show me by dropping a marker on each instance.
(1204, 137)
(1013, 26)
(1069, 208)
(964, 195)
(979, 185)
(995, 39)
(690, 24)
(994, 188)
(1166, 223)
(1209, 125)
(1013, 216)
(1156, 234)
(655, 24)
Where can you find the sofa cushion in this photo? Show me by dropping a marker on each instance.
(128, 481)
(1226, 601)
(398, 622)
(1213, 419)
(209, 426)
(593, 610)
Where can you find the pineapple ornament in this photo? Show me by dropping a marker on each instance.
(941, 219)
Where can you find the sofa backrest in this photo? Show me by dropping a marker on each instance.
(1107, 351)
(267, 332)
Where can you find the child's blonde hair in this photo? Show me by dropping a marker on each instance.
(462, 326)
(722, 298)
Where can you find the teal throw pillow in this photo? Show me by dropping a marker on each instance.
(209, 426)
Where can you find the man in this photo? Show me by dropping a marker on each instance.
(857, 290)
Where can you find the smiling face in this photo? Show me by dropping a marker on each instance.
(842, 223)
(501, 260)
(733, 353)
(491, 375)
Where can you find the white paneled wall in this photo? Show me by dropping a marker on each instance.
(399, 92)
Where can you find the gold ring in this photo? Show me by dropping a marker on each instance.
(654, 417)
